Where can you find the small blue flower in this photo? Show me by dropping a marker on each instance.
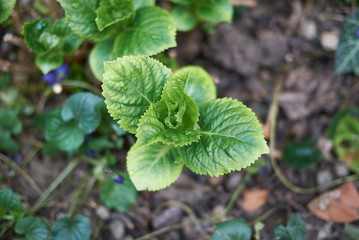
(57, 75)
(357, 32)
(119, 179)
(91, 153)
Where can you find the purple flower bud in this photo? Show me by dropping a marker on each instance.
(87, 137)
(105, 171)
(57, 75)
(119, 179)
(91, 153)
(357, 32)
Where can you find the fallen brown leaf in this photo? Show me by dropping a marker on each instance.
(254, 199)
(339, 205)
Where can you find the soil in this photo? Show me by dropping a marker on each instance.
(274, 40)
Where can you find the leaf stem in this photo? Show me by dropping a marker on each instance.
(71, 166)
(80, 84)
(273, 121)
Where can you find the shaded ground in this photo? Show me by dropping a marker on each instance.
(274, 40)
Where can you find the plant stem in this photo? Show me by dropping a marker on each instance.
(53, 186)
(273, 111)
(22, 173)
(213, 219)
(80, 84)
(77, 195)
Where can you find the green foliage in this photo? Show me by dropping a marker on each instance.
(295, 229)
(6, 8)
(111, 11)
(346, 141)
(33, 228)
(302, 154)
(131, 85)
(81, 16)
(347, 53)
(236, 229)
(143, 3)
(257, 166)
(210, 13)
(10, 204)
(9, 125)
(154, 166)
(351, 231)
(66, 228)
(151, 31)
(51, 41)
(83, 108)
(221, 136)
(118, 196)
(354, 112)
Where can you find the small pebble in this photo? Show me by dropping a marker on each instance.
(329, 40)
(308, 29)
(324, 176)
(167, 217)
(117, 229)
(103, 213)
(234, 179)
(341, 170)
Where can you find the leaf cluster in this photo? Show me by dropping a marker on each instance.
(6, 8)
(9, 125)
(188, 13)
(178, 121)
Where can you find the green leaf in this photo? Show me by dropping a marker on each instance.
(39, 36)
(182, 2)
(301, 154)
(215, 11)
(153, 167)
(143, 3)
(103, 51)
(33, 228)
(9, 202)
(10, 122)
(200, 85)
(257, 166)
(78, 228)
(83, 107)
(49, 61)
(346, 141)
(69, 41)
(112, 11)
(99, 144)
(347, 53)
(354, 112)
(131, 85)
(152, 31)
(81, 15)
(64, 135)
(6, 8)
(236, 229)
(184, 19)
(118, 196)
(7, 144)
(295, 229)
(174, 118)
(231, 138)
(351, 231)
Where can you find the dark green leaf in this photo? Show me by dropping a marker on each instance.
(9, 202)
(6, 8)
(131, 85)
(103, 51)
(295, 229)
(100, 144)
(347, 54)
(151, 32)
(33, 228)
(112, 11)
(184, 19)
(81, 15)
(183, 2)
(173, 120)
(49, 61)
(66, 136)
(231, 139)
(236, 229)
(118, 196)
(351, 231)
(9, 121)
(302, 154)
(215, 11)
(153, 167)
(83, 107)
(78, 228)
